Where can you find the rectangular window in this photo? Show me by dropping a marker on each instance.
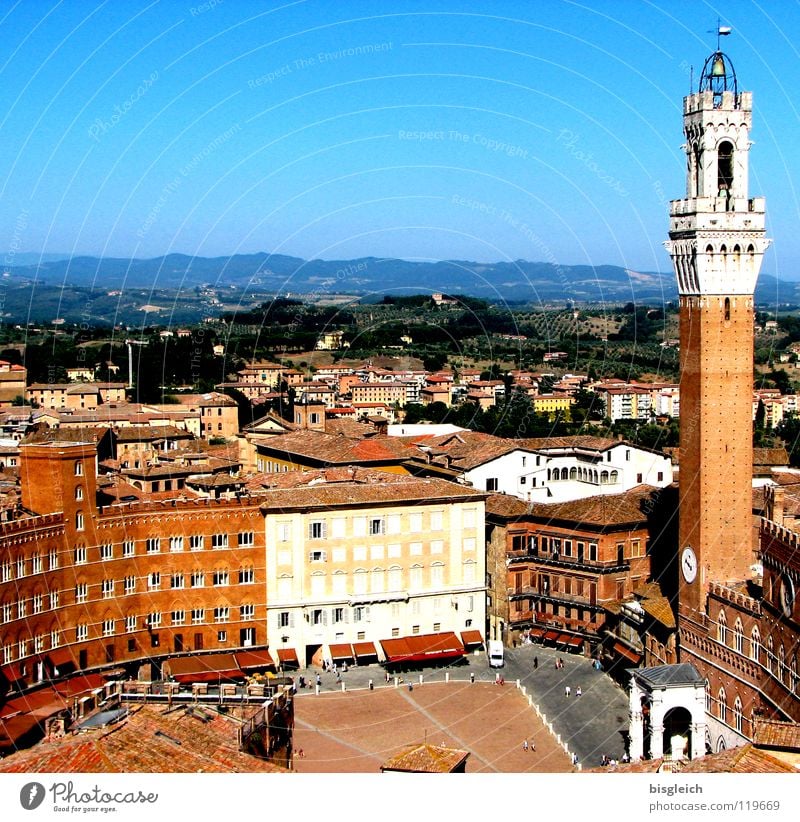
(7, 612)
(196, 542)
(491, 483)
(130, 584)
(284, 531)
(178, 617)
(153, 545)
(177, 580)
(221, 577)
(377, 526)
(338, 615)
(317, 556)
(246, 538)
(636, 548)
(437, 546)
(130, 624)
(360, 613)
(79, 522)
(198, 579)
(55, 638)
(80, 556)
(54, 597)
(128, 548)
(316, 530)
(593, 551)
(108, 627)
(221, 613)
(415, 523)
(81, 592)
(437, 626)
(107, 551)
(108, 588)
(246, 576)
(38, 603)
(154, 620)
(198, 616)
(247, 612)
(436, 521)
(36, 564)
(52, 559)
(81, 632)
(8, 654)
(22, 608)
(219, 541)
(567, 547)
(5, 572)
(222, 636)
(415, 629)
(154, 580)
(176, 543)
(283, 619)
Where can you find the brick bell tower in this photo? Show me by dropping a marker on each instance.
(716, 241)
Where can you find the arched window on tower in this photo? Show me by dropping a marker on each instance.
(727, 309)
(722, 705)
(738, 636)
(737, 714)
(722, 628)
(755, 644)
(725, 168)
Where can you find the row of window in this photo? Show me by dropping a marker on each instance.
(360, 553)
(34, 564)
(362, 526)
(109, 588)
(131, 624)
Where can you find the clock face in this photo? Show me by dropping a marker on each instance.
(688, 564)
(787, 595)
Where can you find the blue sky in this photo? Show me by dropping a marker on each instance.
(547, 130)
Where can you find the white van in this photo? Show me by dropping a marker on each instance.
(494, 650)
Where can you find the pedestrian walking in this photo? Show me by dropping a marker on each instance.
(535, 662)
(578, 691)
(525, 745)
(319, 680)
(574, 759)
(566, 690)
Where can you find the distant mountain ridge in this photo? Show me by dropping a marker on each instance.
(180, 284)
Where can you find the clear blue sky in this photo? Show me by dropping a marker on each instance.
(547, 130)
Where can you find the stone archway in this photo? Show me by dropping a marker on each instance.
(678, 733)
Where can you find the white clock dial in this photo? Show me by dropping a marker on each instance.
(689, 564)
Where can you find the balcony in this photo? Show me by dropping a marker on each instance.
(560, 561)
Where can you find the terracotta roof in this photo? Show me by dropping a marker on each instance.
(604, 509)
(150, 740)
(747, 759)
(770, 456)
(351, 486)
(580, 441)
(334, 449)
(770, 733)
(426, 759)
(507, 505)
(149, 433)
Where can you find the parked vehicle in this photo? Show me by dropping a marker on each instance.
(494, 651)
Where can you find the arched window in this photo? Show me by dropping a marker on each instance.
(771, 654)
(725, 167)
(360, 581)
(781, 663)
(395, 578)
(722, 705)
(793, 683)
(708, 696)
(604, 478)
(755, 644)
(564, 473)
(738, 636)
(722, 628)
(727, 309)
(377, 581)
(573, 473)
(737, 714)
(614, 477)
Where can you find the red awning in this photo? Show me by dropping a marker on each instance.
(422, 648)
(341, 651)
(364, 649)
(471, 638)
(551, 636)
(626, 652)
(63, 656)
(288, 656)
(254, 659)
(208, 668)
(574, 641)
(537, 633)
